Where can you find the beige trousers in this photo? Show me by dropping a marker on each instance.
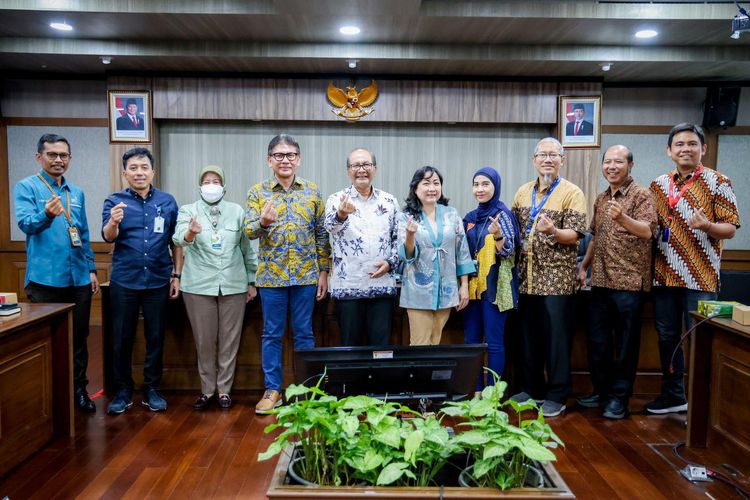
(426, 326)
(217, 327)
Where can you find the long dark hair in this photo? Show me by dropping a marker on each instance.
(413, 206)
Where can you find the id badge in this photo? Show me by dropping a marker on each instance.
(216, 241)
(159, 224)
(665, 235)
(75, 238)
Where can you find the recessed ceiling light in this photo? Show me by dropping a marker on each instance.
(349, 30)
(352, 63)
(646, 33)
(106, 60)
(606, 66)
(63, 26)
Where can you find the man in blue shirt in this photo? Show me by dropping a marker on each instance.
(140, 220)
(59, 260)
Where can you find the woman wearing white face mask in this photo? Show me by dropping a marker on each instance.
(218, 278)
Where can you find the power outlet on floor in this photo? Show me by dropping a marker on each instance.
(694, 473)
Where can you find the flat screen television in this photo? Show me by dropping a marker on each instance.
(424, 375)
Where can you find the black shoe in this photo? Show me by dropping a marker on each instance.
(590, 401)
(225, 402)
(663, 404)
(615, 409)
(202, 402)
(82, 400)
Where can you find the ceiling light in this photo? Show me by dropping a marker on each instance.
(106, 60)
(646, 33)
(352, 63)
(63, 26)
(606, 66)
(349, 30)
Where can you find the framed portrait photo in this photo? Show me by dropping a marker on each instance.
(130, 116)
(580, 121)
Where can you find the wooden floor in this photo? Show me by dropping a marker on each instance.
(182, 453)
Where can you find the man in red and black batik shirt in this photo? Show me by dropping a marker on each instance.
(697, 209)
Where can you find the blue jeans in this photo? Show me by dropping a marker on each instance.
(483, 322)
(671, 307)
(276, 302)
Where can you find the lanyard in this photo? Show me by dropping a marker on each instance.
(67, 196)
(535, 209)
(674, 199)
(478, 236)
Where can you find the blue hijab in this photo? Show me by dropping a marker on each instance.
(491, 208)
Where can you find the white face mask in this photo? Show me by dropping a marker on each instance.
(211, 193)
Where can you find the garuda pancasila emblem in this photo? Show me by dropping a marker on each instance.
(352, 104)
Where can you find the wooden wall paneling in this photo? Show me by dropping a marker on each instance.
(398, 101)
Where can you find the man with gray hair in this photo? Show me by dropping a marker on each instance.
(551, 213)
(619, 254)
(362, 224)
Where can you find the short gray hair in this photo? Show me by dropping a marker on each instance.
(372, 155)
(550, 139)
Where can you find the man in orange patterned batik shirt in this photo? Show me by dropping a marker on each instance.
(697, 209)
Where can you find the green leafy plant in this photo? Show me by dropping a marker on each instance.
(360, 439)
(502, 451)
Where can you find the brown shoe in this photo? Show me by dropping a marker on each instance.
(225, 401)
(269, 401)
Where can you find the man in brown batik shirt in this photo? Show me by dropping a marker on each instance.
(620, 256)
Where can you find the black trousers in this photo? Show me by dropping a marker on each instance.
(546, 332)
(614, 340)
(365, 321)
(81, 297)
(125, 305)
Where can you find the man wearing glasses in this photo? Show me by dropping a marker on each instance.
(551, 212)
(362, 223)
(59, 260)
(286, 214)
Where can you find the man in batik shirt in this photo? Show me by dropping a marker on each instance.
(697, 209)
(362, 223)
(286, 214)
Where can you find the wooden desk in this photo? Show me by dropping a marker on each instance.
(36, 380)
(718, 388)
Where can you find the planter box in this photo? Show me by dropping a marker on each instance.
(281, 488)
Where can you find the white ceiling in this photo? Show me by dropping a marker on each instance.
(447, 38)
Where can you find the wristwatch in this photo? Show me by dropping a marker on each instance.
(175, 275)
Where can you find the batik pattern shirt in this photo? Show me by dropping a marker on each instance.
(691, 258)
(430, 277)
(547, 267)
(622, 260)
(294, 249)
(366, 236)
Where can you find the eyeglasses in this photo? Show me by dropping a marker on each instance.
(53, 156)
(365, 166)
(551, 156)
(281, 156)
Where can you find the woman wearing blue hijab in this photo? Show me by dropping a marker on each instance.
(493, 234)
